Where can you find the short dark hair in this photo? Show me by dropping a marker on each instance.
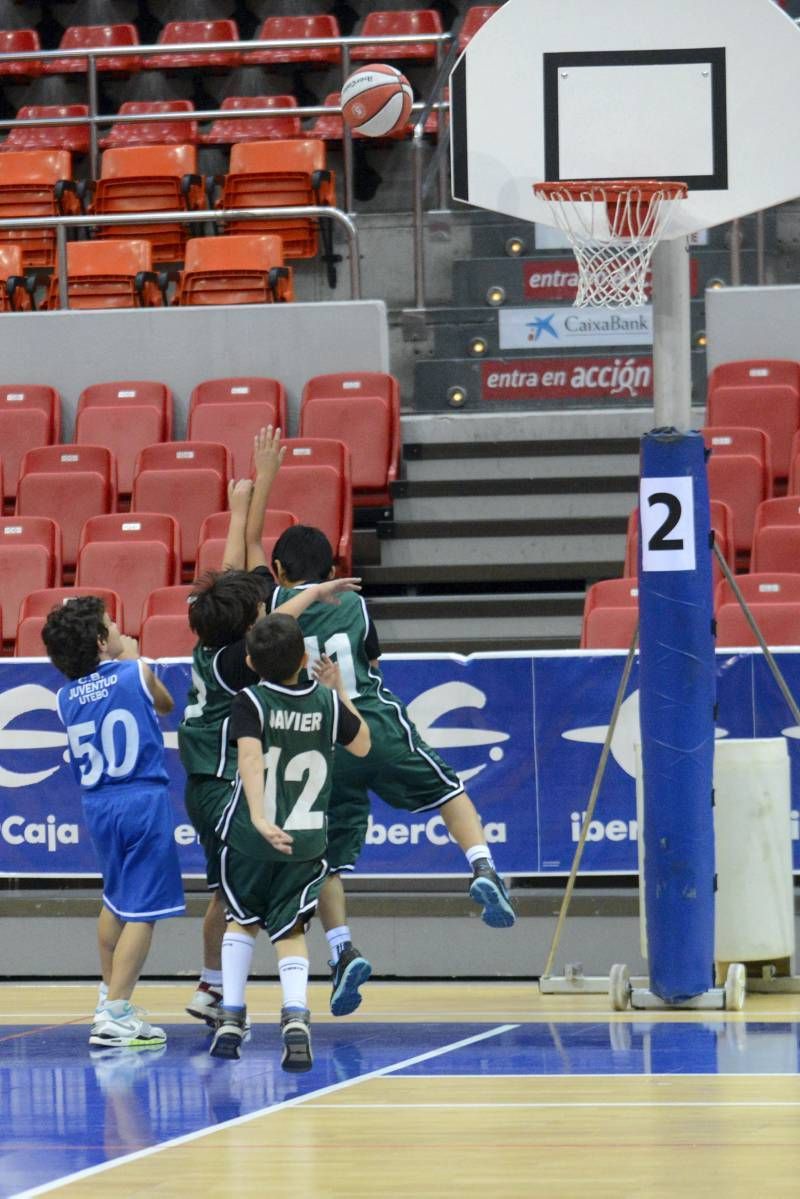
(224, 604)
(304, 553)
(276, 647)
(71, 632)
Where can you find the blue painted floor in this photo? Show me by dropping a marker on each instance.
(63, 1109)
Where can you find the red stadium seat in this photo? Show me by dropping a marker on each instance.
(87, 37)
(609, 593)
(134, 392)
(314, 483)
(315, 25)
(30, 415)
(761, 587)
(68, 483)
(760, 393)
(124, 417)
(362, 409)
(74, 138)
(109, 274)
(152, 133)
(168, 601)
(150, 179)
(740, 481)
(776, 548)
(36, 606)
(227, 130)
(398, 24)
(779, 624)
(247, 269)
(245, 389)
(30, 558)
(166, 636)
(23, 41)
(235, 425)
(270, 174)
(610, 628)
(188, 479)
(474, 19)
(137, 551)
(36, 183)
(215, 531)
(16, 290)
(177, 33)
(741, 439)
(722, 522)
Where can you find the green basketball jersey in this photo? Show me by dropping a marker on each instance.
(340, 631)
(298, 732)
(203, 732)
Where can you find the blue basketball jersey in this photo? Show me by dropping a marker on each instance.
(112, 727)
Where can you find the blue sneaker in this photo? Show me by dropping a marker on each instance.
(348, 973)
(487, 889)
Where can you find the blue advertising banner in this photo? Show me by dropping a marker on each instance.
(524, 731)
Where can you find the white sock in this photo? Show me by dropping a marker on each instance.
(478, 851)
(294, 981)
(237, 954)
(102, 995)
(212, 977)
(337, 937)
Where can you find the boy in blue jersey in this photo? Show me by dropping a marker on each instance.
(116, 750)
(401, 768)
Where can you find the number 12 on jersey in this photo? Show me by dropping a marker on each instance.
(666, 513)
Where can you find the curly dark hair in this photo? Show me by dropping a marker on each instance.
(224, 605)
(276, 647)
(71, 633)
(305, 554)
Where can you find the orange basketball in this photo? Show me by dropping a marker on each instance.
(376, 100)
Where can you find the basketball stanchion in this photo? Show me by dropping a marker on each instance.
(574, 981)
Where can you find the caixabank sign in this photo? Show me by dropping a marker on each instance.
(524, 731)
(552, 328)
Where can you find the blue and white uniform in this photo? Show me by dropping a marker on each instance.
(116, 751)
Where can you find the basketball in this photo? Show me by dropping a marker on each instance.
(376, 100)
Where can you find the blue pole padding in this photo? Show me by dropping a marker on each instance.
(677, 698)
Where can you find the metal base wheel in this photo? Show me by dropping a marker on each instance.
(619, 987)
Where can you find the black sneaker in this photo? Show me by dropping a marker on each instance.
(229, 1034)
(488, 890)
(296, 1040)
(348, 972)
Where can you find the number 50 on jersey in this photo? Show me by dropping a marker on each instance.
(666, 513)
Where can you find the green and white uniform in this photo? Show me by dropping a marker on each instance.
(400, 767)
(298, 727)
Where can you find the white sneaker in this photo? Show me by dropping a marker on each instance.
(125, 1028)
(205, 1004)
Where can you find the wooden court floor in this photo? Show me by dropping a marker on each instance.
(429, 1090)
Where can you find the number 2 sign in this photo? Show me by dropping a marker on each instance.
(666, 512)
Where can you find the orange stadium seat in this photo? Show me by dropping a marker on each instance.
(227, 130)
(176, 33)
(36, 183)
(610, 628)
(150, 179)
(125, 417)
(30, 558)
(16, 290)
(760, 587)
(278, 174)
(362, 409)
(609, 593)
(241, 390)
(30, 415)
(166, 636)
(168, 601)
(36, 606)
(74, 138)
(293, 28)
(68, 483)
(474, 19)
(150, 133)
(188, 479)
(722, 523)
(215, 530)
(779, 624)
(245, 269)
(109, 274)
(760, 393)
(314, 483)
(401, 23)
(23, 41)
(235, 425)
(87, 37)
(137, 551)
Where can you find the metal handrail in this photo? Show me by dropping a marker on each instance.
(198, 216)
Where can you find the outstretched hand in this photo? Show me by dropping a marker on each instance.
(330, 591)
(327, 672)
(268, 452)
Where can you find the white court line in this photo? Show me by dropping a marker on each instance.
(606, 1077)
(90, 1171)
(600, 1103)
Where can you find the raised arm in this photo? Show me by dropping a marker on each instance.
(239, 497)
(318, 593)
(267, 456)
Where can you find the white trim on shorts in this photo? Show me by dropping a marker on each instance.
(142, 915)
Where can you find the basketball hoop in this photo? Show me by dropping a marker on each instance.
(613, 227)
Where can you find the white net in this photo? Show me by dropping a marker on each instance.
(613, 229)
